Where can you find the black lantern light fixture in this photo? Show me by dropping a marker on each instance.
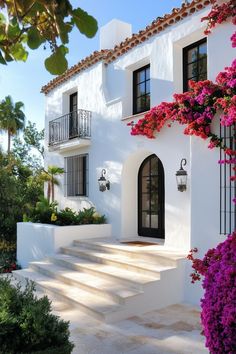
(181, 177)
(103, 183)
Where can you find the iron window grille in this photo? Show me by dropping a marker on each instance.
(227, 186)
(194, 63)
(76, 176)
(141, 90)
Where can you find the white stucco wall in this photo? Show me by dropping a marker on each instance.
(37, 241)
(191, 217)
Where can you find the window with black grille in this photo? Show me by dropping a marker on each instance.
(141, 90)
(194, 63)
(76, 175)
(227, 186)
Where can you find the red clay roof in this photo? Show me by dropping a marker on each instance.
(109, 55)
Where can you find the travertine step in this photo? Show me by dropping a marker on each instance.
(113, 273)
(147, 253)
(109, 281)
(111, 289)
(94, 305)
(122, 261)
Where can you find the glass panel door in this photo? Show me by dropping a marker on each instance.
(73, 121)
(151, 198)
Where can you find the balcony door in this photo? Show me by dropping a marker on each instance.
(73, 119)
(151, 198)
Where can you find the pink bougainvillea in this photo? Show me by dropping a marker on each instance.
(219, 13)
(218, 315)
(196, 109)
(233, 40)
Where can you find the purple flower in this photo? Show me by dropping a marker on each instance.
(219, 302)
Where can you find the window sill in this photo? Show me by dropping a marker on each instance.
(77, 197)
(134, 117)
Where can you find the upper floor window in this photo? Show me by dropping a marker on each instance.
(195, 63)
(76, 175)
(141, 90)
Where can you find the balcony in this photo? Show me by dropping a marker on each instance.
(70, 129)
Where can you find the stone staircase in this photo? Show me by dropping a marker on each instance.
(109, 280)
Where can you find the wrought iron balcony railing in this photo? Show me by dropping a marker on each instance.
(76, 124)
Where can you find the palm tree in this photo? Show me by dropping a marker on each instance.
(49, 177)
(12, 118)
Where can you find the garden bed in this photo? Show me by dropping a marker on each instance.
(35, 241)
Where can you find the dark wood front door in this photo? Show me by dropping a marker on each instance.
(151, 198)
(73, 121)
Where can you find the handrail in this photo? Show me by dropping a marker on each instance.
(76, 124)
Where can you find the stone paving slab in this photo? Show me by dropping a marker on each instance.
(173, 330)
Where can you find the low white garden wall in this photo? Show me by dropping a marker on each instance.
(36, 241)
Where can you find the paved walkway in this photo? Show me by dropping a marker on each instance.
(174, 329)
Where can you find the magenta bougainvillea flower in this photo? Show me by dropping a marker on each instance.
(196, 109)
(218, 316)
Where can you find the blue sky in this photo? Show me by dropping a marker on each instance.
(23, 81)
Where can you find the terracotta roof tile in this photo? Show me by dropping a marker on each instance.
(109, 55)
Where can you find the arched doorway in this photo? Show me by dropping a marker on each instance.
(151, 198)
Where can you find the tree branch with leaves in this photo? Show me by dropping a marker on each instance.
(29, 23)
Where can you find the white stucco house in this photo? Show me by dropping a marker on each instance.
(87, 111)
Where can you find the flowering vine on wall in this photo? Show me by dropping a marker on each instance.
(197, 109)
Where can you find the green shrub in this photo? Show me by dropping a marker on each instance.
(47, 213)
(90, 216)
(66, 217)
(7, 256)
(27, 324)
(42, 212)
(7, 246)
(19, 186)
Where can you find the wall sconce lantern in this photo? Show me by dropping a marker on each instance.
(181, 176)
(103, 182)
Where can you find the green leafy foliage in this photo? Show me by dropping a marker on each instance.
(84, 22)
(42, 212)
(12, 118)
(30, 322)
(20, 189)
(33, 23)
(47, 213)
(90, 216)
(7, 256)
(49, 176)
(29, 149)
(56, 64)
(21, 184)
(34, 39)
(66, 217)
(33, 137)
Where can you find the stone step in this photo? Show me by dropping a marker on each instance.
(110, 289)
(94, 305)
(153, 254)
(118, 260)
(110, 272)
